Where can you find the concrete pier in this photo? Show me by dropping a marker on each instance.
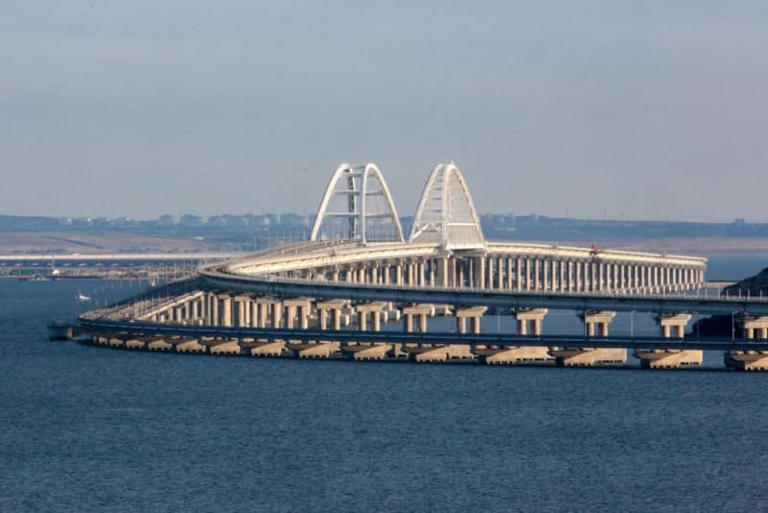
(435, 354)
(529, 322)
(190, 346)
(368, 352)
(135, 343)
(224, 347)
(269, 349)
(672, 326)
(746, 360)
(515, 355)
(159, 345)
(596, 324)
(316, 350)
(753, 327)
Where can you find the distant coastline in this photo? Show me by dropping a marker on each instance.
(249, 232)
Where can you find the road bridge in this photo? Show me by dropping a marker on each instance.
(342, 291)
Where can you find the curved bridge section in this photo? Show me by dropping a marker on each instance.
(501, 266)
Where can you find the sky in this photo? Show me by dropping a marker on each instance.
(596, 109)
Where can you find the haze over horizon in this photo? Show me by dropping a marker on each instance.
(598, 109)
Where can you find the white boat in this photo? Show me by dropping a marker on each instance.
(83, 298)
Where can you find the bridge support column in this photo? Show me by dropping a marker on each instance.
(368, 350)
(226, 310)
(333, 308)
(297, 309)
(595, 324)
(421, 312)
(754, 327)
(375, 310)
(442, 272)
(261, 312)
(478, 272)
(465, 351)
(213, 309)
(553, 277)
(579, 286)
(243, 314)
(196, 310)
(672, 326)
(512, 355)
(532, 317)
(253, 312)
(277, 314)
(490, 266)
(474, 314)
(623, 284)
(587, 268)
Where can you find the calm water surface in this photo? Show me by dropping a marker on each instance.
(87, 429)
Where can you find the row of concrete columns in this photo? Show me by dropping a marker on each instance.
(185, 309)
(226, 310)
(229, 310)
(216, 309)
(509, 272)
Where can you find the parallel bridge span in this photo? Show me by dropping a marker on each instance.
(270, 286)
(441, 338)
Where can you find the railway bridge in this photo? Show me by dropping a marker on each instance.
(360, 289)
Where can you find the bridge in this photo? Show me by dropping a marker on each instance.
(360, 288)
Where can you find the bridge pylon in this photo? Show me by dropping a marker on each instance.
(446, 214)
(357, 206)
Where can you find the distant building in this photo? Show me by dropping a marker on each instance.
(166, 221)
(190, 221)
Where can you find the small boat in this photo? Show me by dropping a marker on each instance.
(83, 298)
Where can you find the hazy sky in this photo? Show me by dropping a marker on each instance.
(643, 110)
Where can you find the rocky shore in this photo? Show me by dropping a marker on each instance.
(721, 325)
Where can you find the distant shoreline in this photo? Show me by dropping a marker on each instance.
(59, 244)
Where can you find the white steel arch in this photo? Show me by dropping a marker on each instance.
(355, 183)
(446, 214)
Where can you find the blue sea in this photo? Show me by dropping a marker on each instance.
(87, 429)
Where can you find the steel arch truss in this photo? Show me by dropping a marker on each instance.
(350, 197)
(446, 213)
